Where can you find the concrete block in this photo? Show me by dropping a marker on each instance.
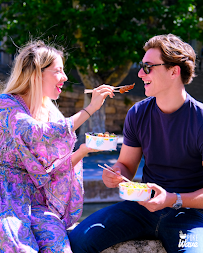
(97, 192)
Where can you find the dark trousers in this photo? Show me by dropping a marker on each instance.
(179, 230)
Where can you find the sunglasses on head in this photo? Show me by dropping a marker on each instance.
(146, 67)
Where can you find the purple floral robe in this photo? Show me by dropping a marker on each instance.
(38, 183)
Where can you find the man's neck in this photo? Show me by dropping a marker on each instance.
(171, 102)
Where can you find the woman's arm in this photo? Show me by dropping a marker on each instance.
(98, 97)
(81, 153)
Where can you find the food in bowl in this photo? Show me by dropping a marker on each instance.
(134, 191)
(101, 141)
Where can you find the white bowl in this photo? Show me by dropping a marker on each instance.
(134, 191)
(101, 143)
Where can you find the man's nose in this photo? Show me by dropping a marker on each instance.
(141, 73)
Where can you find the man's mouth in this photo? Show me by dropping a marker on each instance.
(147, 83)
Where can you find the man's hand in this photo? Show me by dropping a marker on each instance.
(161, 199)
(126, 165)
(111, 180)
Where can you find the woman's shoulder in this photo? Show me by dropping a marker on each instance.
(54, 112)
(7, 100)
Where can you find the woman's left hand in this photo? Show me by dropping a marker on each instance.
(85, 150)
(80, 153)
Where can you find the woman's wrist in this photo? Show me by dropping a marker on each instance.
(90, 109)
(83, 149)
(86, 112)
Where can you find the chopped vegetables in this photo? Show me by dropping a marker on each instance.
(106, 134)
(134, 185)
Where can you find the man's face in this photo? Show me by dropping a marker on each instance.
(157, 82)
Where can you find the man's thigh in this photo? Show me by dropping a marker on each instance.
(117, 223)
(182, 231)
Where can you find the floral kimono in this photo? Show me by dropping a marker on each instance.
(41, 193)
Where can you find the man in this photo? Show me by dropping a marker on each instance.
(167, 128)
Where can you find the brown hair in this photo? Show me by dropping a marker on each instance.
(175, 52)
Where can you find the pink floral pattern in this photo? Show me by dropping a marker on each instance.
(35, 170)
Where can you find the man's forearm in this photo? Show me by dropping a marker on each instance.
(193, 199)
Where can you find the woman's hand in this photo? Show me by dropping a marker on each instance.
(99, 95)
(80, 153)
(85, 150)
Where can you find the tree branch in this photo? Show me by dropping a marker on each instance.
(89, 78)
(119, 74)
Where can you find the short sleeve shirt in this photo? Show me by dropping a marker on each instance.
(172, 144)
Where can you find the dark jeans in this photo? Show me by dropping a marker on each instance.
(179, 230)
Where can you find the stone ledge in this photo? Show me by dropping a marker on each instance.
(137, 246)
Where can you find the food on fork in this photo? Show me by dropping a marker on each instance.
(126, 88)
(121, 89)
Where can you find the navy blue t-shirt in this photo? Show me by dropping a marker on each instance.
(172, 144)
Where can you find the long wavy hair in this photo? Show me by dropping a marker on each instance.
(174, 51)
(26, 74)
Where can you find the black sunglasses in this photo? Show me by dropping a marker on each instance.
(146, 67)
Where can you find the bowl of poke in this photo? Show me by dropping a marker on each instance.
(101, 141)
(134, 191)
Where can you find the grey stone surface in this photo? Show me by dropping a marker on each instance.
(97, 192)
(137, 246)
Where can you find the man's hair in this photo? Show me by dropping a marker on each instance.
(174, 52)
(26, 75)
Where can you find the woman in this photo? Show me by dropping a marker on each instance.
(41, 192)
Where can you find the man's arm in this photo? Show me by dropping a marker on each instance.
(193, 199)
(126, 165)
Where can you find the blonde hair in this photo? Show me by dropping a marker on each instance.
(175, 52)
(26, 75)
